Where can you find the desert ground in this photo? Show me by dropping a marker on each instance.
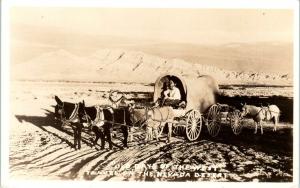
(40, 149)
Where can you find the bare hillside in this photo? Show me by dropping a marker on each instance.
(118, 65)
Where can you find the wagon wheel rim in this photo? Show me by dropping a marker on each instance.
(235, 122)
(213, 120)
(193, 125)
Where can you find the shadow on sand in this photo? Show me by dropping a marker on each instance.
(49, 120)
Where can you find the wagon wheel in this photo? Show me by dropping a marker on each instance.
(213, 120)
(235, 122)
(193, 125)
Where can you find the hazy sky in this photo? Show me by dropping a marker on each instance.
(199, 26)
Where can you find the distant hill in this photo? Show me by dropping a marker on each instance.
(29, 43)
(118, 65)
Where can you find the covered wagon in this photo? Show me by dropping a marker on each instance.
(198, 94)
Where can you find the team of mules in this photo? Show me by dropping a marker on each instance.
(99, 119)
(102, 119)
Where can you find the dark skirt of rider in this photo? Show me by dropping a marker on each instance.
(173, 103)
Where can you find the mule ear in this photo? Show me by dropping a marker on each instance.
(59, 102)
(83, 102)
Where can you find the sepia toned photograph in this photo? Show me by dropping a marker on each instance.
(151, 94)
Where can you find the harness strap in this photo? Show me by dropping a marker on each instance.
(267, 110)
(100, 119)
(74, 113)
(115, 101)
(258, 112)
(99, 110)
(73, 116)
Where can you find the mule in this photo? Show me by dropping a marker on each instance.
(70, 115)
(258, 114)
(154, 118)
(102, 119)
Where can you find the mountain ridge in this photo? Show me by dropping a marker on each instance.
(119, 65)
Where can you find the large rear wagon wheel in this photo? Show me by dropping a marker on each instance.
(213, 120)
(235, 122)
(193, 125)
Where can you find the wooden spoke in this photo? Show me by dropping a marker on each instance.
(199, 120)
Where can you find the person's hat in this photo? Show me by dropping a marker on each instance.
(114, 93)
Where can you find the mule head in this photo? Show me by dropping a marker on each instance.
(245, 110)
(57, 112)
(58, 109)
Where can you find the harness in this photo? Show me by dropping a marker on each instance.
(100, 119)
(266, 111)
(270, 113)
(73, 117)
(258, 113)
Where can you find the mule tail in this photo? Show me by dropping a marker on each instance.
(276, 120)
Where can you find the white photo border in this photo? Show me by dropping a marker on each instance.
(232, 4)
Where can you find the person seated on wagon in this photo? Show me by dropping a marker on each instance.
(118, 99)
(171, 96)
(115, 98)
